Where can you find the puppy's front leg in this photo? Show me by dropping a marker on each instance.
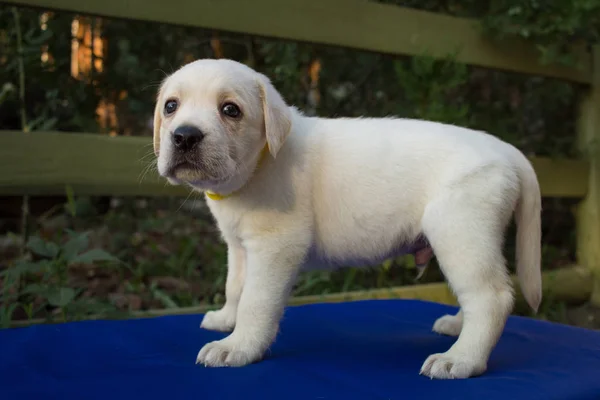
(271, 269)
(224, 319)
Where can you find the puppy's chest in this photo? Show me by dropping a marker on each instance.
(227, 218)
(238, 223)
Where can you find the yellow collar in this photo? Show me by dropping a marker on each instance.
(217, 197)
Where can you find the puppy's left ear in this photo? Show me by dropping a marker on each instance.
(276, 115)
(157, 122)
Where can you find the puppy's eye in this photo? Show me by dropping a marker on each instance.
(170, 107)
(231, 110)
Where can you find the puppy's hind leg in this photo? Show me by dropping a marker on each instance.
(450, 325)
(467, 239)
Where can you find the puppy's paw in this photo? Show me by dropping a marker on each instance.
(449, 366)
(222, 320)
(228, 353)
(450, 325)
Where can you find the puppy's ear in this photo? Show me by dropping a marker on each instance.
(157, 121)
(276, 115)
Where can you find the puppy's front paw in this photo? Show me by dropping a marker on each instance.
(449, 366)
(228, 353)
(448, 325)
(222, 320)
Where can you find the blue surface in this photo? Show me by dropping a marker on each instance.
(361, 350)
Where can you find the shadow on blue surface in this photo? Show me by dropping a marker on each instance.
(360, 350)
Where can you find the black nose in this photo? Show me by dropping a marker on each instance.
(186, 137)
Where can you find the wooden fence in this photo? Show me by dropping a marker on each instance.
(42, 163)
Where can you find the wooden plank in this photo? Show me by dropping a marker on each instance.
(561, 177)
(356, 24)
(588, 212)
(43, 163)
(571, 285)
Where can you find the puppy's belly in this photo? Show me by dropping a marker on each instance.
(317, 260)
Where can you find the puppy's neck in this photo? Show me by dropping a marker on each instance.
(240, 180)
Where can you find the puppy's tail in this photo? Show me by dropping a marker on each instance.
(529, 235)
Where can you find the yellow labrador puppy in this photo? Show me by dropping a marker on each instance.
(291, 192)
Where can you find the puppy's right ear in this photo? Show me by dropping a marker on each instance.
(157, 122)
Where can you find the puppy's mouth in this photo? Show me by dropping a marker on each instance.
(192, 173)
(183, 166)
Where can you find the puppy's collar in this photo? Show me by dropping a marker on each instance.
(217, 196)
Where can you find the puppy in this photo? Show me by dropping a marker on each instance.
(291, 192)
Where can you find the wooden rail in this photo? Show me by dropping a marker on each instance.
(44, 163)
(588, 218)
(358, 24)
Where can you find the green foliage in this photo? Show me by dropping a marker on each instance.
(429, 85)
(54, 98)
(45, 276)
(552, 25)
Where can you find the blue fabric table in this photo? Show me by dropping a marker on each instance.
(360, 350)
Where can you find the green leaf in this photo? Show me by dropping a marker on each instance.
(6, 90)
(71, 206)
(42, 248)
(25, 267)
(60, 297)
(88, 306)
(6, 313)
(387, 264)
(349, 281)
(42, 123)
(164, 298)
(40, 39)
(36, 289)
(93, 256)
(75, 245)
(28, 308)
(48, 124)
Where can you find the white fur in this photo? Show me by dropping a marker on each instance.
(338, 192)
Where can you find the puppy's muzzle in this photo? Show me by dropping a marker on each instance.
(186, 137)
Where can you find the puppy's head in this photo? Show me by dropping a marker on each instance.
(211, 121)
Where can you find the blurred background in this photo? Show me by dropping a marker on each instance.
(74, 256)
